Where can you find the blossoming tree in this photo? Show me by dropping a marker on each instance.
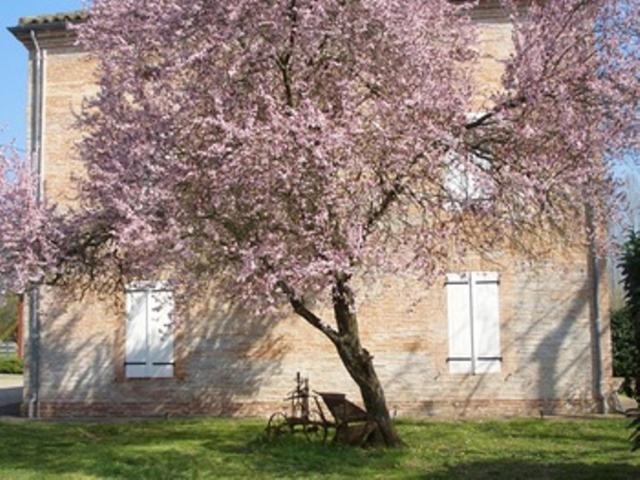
(272, 152)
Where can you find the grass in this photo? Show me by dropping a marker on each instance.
(223, 448)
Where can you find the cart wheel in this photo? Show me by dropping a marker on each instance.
(278, 426)
(316, 429)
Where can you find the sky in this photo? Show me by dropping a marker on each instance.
(13, 64)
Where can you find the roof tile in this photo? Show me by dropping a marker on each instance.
(75, 16)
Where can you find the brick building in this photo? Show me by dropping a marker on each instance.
(499, 337)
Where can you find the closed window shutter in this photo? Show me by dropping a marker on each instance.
(473, 310)
(149, 333)
(458, 308)
(160, 312)
(137, 348)
(486, 322)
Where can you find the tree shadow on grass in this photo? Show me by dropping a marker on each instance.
(207, 448)
(149, 449)
(527, 470)
(173, 449)
(553, 429)
(294, 457)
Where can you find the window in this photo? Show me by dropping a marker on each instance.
(459, 182)
(474, 322)
(463, 176)
(464, 182)
(149, 332)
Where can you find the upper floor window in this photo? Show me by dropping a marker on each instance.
(464, 179)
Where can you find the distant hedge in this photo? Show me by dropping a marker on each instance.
(625, 352)
(11, 365)
(625, 323)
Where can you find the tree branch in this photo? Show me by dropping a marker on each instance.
(480, 121)
(301, 309)
(389, 197)
(284, 60)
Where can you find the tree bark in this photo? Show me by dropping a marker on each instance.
(356, 359)
(359, 363)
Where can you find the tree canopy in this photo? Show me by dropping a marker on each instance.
(278, 148)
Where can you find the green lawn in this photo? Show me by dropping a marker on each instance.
(213, 448)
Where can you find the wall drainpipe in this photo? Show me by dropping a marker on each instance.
(596, 319)
(34, 369)
(36, 159)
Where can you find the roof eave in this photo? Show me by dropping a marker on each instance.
(57, 33)
(20, 30)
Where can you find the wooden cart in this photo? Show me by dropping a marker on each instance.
(351, 423)
(306, 415)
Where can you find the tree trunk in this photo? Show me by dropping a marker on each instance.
(356, 359)
(359, 364)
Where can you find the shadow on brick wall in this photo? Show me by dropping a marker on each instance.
(555, 378)
(223, 356)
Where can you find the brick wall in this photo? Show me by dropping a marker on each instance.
(233, 363)
(230, 363)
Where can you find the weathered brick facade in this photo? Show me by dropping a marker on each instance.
(228, 363)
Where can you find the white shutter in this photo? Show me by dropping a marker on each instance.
(486, 322)
(459, 316)
(149, 332)
(136, 335)
(160, 310)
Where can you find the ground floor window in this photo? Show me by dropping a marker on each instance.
(473, 310)
(149, 331)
